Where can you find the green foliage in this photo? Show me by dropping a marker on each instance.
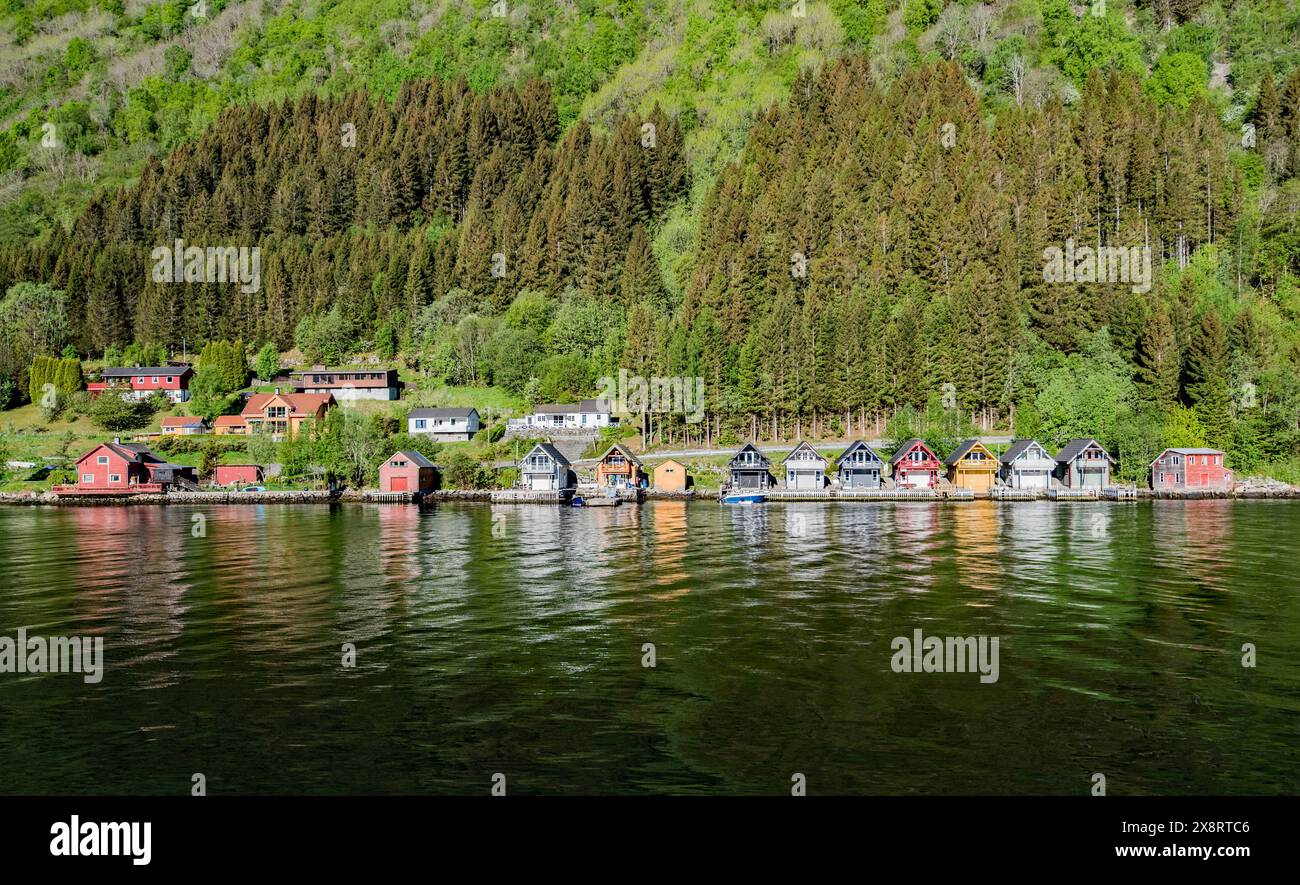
(114, 411)
(1178, 78)
(267, 362)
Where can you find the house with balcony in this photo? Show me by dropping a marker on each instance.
(589, 415)
(1084, 464)
(118, 468)
(619, 468)
(348, 384)
(283, 414)
(142, 382)
(444, 424)
(545, 469)
(1026, 465)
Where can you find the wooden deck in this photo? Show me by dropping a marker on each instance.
(1073, 494)
(528, 496)
(1002, 493)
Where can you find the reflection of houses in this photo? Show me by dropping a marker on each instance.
(283, 414)
(142, 382)
(860, 467)
(544, 469)
(119, 468)
(749, 468)
(1027, 465)
(348, 384)
(671, 476)
(408, 472)
(444, 424)
(184, 425)
(619, 468)
(804, 468)
(915, 466)
(972, 466)
(1181, 469)
(1084, 464)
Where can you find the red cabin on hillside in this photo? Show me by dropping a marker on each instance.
(237, 474)
(1187, 469)
(141, 382)
(916, 466)
(119, 468)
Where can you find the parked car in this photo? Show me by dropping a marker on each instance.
(253, 489)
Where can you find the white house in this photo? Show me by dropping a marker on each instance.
(1027, 465)
(590, 414)
(804, 468)
(444, 424)
(544, 469)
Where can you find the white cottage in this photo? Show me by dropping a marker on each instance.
(544, 469)
(804, 468)
(1026, 465)
(444, 424)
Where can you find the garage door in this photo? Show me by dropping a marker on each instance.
(542, 483)
(804, 479)
(1092, 479)
(1035, 480)
(399, 484)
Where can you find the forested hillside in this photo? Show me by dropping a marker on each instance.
(837, 214)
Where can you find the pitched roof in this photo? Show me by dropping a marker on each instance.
(441, 413)
(667, 461)
(763, 459)
(229, 421)
(964, 449)
(135, 452)
(1074, 447)
(301, 405)
(854, 447)
(181, 421)
(551, 451)
(626, 454)
(800, 447)
(906, 446)
(1186, 452)
(590, 406)
(414, 457)
(1018, 447)
(133, 371)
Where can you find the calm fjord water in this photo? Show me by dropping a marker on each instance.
(495, 639)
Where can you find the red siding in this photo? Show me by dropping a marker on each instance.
(94, 475)
(418, 479)
(229, 474)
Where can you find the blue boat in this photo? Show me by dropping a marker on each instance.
(743, 498)
(578, 501)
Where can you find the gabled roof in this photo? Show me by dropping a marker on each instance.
(763, 460)
(1075, 447)
(135, 371)
(137, 453)
(801, 447)
(965, 448)
(442, 413)
(301, 405)
(1018, 448)
(229, 421)
(1178, 451)
(669, 461)
(414, 457)
(854, 447)
(181, 421)
(626, 454)
(590, 406)
(551, 451)
(906, 447)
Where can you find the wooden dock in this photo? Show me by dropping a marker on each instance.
(1073, 494)
(1121, 493)
(392, 497)
(852, 495)
(1002, 493)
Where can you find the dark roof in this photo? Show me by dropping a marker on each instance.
(802, 445)
(763, 459)
(904, 447)
(960, 452)
(132, 371)
(441, 413)
(552, 451)
(853, 447)
(597, 406)
(1075, 446)
(414, 457)
(1018, 447)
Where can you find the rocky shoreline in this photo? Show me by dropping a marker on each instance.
(1251, 488)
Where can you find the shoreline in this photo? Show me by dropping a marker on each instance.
(46, 499)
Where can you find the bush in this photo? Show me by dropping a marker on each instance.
(113, 411)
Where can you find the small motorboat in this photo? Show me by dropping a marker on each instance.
(578, 501)
(743, 498)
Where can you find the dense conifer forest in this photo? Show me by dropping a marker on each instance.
(840, 219)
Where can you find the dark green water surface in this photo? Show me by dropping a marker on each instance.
(510, 639)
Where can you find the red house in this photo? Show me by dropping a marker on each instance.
(916, 466)
(408, 472)
(119, 468)
(141, 382)
(1185, 469)
(237, 474)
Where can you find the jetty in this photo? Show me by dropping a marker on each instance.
(529, 496)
